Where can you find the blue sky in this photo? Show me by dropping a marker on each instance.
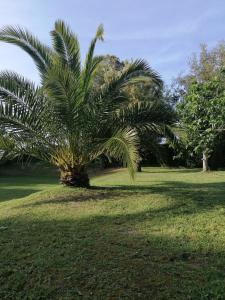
(164, 32)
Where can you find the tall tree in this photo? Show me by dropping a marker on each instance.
(206, 70)
(202, 116)
(208, 63)
(67, 121)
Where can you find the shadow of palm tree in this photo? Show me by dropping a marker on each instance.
(104, 257)
(7, 194)
(187, 198)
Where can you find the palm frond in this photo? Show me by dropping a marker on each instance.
(140, 71)
(112, 91)
(66, 45)
(22, 38)
(91, 63)
(145, 115)
(23, 108)
(123, 146)
(6, 143)
(64, 91)
(16, 88)
(98, 36)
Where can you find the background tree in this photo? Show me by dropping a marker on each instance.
(202, 67)
(148, 91)
(164, 114)
(202, 116)
(205, 67)
(208, 63)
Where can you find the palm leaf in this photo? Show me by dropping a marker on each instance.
(22, 38)
(145, 115)
(123, 146)
(91, 63)
(66, 45)
(23, 109)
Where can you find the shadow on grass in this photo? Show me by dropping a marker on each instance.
(80, 195)
(8, 181)
(193, 197)
(172, 170)
(114, 256)
(12, 194)
(10, 186)
(100, 258)
(187, 198)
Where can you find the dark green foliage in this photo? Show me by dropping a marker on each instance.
(140, 94)
(202, 115)
(205, 69)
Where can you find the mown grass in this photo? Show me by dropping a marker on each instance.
(162, 237)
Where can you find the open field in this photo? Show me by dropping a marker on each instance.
(162, 237)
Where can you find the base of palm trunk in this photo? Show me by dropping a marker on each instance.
(75, 179)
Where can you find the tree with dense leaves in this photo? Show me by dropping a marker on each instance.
(205, 69)
(202, 116)
(145, 91)
(67, 121)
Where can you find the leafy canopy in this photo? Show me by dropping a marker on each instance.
(202, 114)
(66, 120)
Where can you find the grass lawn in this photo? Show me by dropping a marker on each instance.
(162, 237)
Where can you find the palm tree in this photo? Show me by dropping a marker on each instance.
(67, 121)
(161, 112)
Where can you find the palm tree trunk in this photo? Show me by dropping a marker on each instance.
(205, 162)
(138, 163)
(75, 178)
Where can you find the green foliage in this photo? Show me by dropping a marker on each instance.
(202, 114)
(7, 148)
(145, 96)
(206, 70)
(68, 120)
(40, 53)
(209, 63)
(205, 66)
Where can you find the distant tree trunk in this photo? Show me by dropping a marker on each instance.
(75, 178)
(205, 162)
(138, 166)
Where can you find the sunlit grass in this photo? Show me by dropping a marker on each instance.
(161, 237)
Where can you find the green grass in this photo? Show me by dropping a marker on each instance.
(162, 237)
